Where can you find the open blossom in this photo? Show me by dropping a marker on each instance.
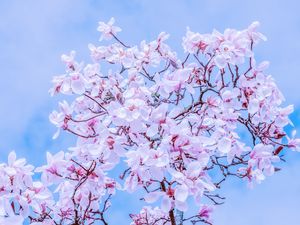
(206, 212)
(168, 129)
(69, 60)
(262, 158)
(175, 82)
(54, 170)
(16, 174)
(98, 53)
(150, 215)
(233, 47)
(194, 42)
(294, 143)
(133, 109)
(107, 29)
(18, 192)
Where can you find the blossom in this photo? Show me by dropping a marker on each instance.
(149, 215)
(107, 29)
(205, 212)
(175, 81)
(194, 42)
(54, 169)
(293, 142)
(174, 128)
(69, 60)
(260, 162)
(98, 53)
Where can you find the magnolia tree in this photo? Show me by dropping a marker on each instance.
(171, 125)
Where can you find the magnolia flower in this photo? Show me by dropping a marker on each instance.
(293, 142)
(15, 166)
(54, 169)
(253, 34)
(205, 212)
(193, 42)
(98, 53)
(262, 158)
(132, 110)
(175, 128)
(175, 82)
(151, 216)
(69, 60)
(107, 29)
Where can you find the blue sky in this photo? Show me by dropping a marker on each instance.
(33, 35)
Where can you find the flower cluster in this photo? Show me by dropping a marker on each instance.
(174, 123)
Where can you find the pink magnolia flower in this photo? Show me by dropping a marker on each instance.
(206, 212)
(98, 53)
(107, 29)
(54, 170)
(175, 82)
(175, 129)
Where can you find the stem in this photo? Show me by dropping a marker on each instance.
(171, 212)
(172, 217)
(118, 40)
